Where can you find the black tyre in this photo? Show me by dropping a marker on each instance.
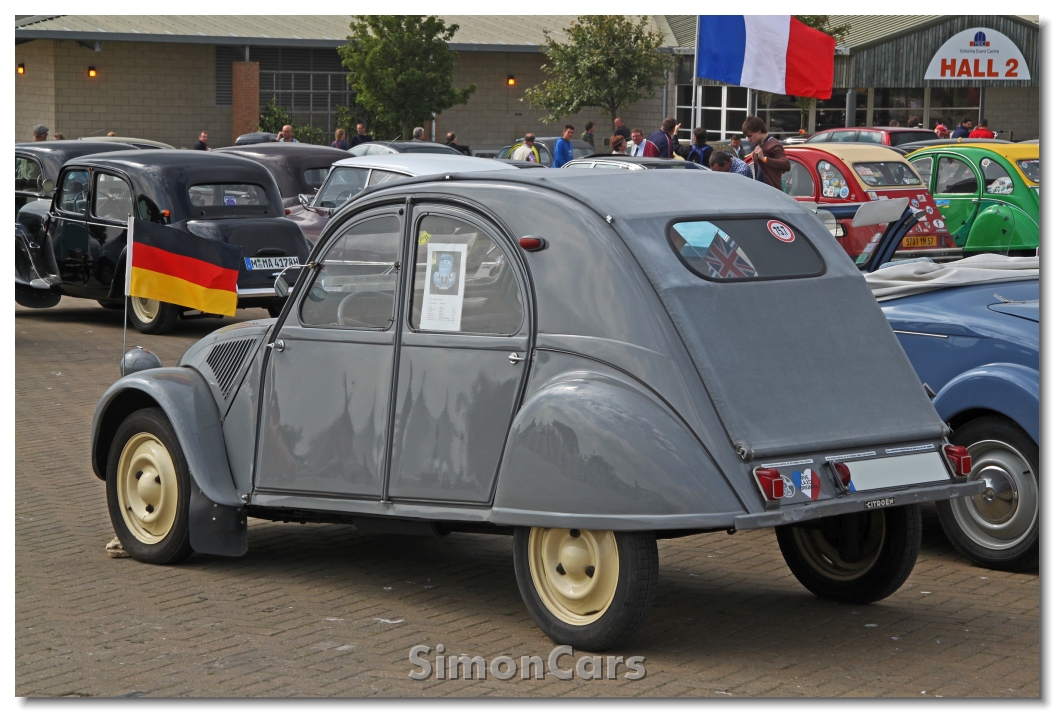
(148, 489)
(854, 558)
(998, 529)
(587, 589)
(150, 316)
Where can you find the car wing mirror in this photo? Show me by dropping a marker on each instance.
(305, 199)
(880, 212)
(284, 282)
(47, 185)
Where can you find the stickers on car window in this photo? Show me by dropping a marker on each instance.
(444, 287)
(985, 162)
(844, 192)
(230, 200)
(780, 231)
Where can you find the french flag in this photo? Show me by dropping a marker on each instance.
(774, 53)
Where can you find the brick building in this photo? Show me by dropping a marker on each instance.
(169, 77)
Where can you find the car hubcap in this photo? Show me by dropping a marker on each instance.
(1004, 514)
(825, 550)
(575, 572)
(145, 309)
(147, 488)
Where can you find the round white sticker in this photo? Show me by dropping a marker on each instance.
(844, 192)
(780, 231)
(985, 162)
(938, 223)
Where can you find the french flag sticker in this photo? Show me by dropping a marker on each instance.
(808, 482)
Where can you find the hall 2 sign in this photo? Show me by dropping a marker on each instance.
(979, 53)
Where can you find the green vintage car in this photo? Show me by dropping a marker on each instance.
(998, 214)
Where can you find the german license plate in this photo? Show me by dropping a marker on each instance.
(920, 241)
(271, 262)
(896, 471)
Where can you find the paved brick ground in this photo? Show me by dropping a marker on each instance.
(321, 610)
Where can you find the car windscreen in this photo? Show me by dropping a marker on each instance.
(897, 138)
(1030, 167)
(344, 183)
(28, 174)
(431, 149)
(886, 174)
(742, 249)
(227, 196)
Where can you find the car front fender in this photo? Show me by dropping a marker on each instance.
(1005, 388)
(594, 449)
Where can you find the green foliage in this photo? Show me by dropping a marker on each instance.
(309, 134)
(348, 116)
(823, 24)
(273, 118)
(401, 69)
(608, 62)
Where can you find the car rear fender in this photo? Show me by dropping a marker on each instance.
(217, 519)
(593, 448)
(1006, 388)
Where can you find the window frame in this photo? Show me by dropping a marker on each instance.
(969, 164)
(490, 228)
(93, 194)
(984, 177)
(59, 191)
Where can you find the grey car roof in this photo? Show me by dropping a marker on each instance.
(423, 164)
(791, 365)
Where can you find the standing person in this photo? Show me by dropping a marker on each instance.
(914, 122)
(663, 138)
(588, 135)
(618, 145)
(894, 123)
(621, 130)
(286, 135)
(982, 130)
(640, 146)
(112, 134)
(419, 133)
(451, 140)
(339, 140)
(700, 153)
(738, 149)
(202, 142)
(360, 136)
(941, 130)
(40, 132)
(724, 162)
(58, 136)
(526, 151)
(562, 151)
(770, 160)
(963, 129)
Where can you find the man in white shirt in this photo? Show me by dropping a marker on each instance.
(638, 145)
(527, 151)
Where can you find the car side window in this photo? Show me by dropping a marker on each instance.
(924, 167)
(27, 173)
(844, 136)
(834, 183)
(463, 280)
(112, 199)
(997, 180)
(378, 177)
(73, 194)
(955, 177)
(355, 286)
(870, 137)
(797, 182)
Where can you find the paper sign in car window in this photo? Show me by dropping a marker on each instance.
(444, 294)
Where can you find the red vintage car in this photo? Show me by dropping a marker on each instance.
(882, 135)
(851, 172)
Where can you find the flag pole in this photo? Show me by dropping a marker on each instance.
(127, 287)
(695, 80)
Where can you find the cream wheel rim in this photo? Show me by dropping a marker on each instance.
(147, 488)
(145, 309)
(575, 572)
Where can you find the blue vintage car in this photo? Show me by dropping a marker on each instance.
(971, 330)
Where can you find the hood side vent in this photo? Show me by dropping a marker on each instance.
(226, 360)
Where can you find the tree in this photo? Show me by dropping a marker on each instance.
(608, 62)
(274, 117)
(823, 24)
(401, 69)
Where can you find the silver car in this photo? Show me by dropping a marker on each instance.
(559, 356)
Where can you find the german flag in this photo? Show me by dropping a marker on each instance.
(178, 267)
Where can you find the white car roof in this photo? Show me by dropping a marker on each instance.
(424, 164)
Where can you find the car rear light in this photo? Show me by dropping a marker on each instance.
(288, 211)
(771, 482)
(530, 243)
(841, 471)
(960, 459)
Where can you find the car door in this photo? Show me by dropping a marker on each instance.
(111, 204)
(68, 230)
(1001, 224)
(328, 379)
(462, 359)
(956, 193)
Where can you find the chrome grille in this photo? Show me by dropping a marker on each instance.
(226, 360)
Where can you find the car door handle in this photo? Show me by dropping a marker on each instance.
(277, 345)
(515, 358)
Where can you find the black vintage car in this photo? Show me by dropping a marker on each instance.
(80, 250)
(299, 169)
(37, 166)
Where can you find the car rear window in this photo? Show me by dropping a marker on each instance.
(27, 174)
(886, 174)
(898, 138)
(744, 249)
(227, 195)
(315, 177)
(1030, 168)
(431, 149)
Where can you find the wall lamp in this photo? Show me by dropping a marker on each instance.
(21, 69)
(91, 72)
(511, 81)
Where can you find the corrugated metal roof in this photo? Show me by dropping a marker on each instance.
(522, 32)
(683, 27)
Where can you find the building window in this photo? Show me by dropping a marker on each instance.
(950, 106)
(781, 114)
(897, 105)
(830, 113)
(722, 110)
